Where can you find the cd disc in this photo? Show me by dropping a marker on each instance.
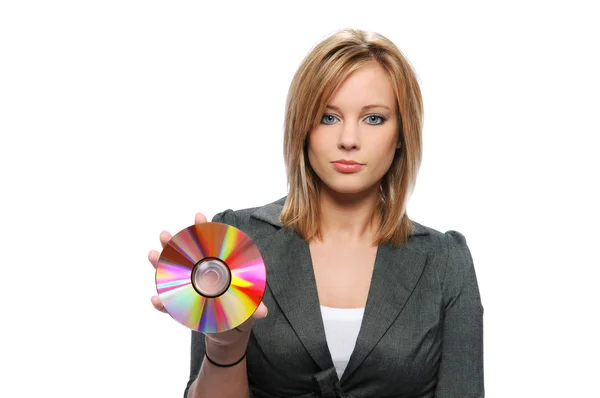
(210, 277)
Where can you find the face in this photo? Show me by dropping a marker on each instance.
(353, 146)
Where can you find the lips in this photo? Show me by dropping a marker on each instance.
(347, 166)
(343, 161)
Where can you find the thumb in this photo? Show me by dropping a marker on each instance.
(261, 311)
(199, 218)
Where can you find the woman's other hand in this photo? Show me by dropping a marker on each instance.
(227, 346)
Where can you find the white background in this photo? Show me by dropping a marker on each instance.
(119, 119)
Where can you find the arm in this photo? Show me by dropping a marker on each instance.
(207, 380)
(461, 365)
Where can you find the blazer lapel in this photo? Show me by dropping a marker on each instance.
(395, 276)
(290, 277)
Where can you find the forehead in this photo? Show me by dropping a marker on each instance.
(368, 84)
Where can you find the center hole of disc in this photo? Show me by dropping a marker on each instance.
(211, 277)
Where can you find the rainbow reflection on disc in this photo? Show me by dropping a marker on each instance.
(210, 277)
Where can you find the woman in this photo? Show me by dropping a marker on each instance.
(362, 301)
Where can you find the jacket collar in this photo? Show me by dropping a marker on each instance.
(270, 214)
(291, 279)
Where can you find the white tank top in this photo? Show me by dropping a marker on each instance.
(341, 330)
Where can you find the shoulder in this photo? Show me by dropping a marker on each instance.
(449, 258)
(253, 220)
(434, 234)
(450, 245)
(433, 241)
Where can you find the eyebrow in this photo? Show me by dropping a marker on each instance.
(364, 108)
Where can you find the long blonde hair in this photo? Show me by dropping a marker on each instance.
(321, 72)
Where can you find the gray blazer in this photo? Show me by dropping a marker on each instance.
(421, 334)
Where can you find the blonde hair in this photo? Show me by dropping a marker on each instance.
(321, 72)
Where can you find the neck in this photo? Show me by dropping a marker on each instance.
(348, 216)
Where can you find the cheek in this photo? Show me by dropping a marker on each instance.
(384, 152)
(315, 147)
(386, 146)
(385, 160)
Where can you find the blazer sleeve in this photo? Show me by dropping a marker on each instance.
(461, 367)
(198, 346)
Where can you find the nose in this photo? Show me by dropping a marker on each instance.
(348, 138)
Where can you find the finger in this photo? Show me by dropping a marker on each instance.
(199, 218)
(157, 304)
(165, 237)
(153, 257)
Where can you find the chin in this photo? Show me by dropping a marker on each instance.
(347, 188)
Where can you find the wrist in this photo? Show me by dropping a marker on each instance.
(227, 354)
(224, 365)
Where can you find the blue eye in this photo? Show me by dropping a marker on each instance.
(376, 118)
(328, 119)
(371, 119)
